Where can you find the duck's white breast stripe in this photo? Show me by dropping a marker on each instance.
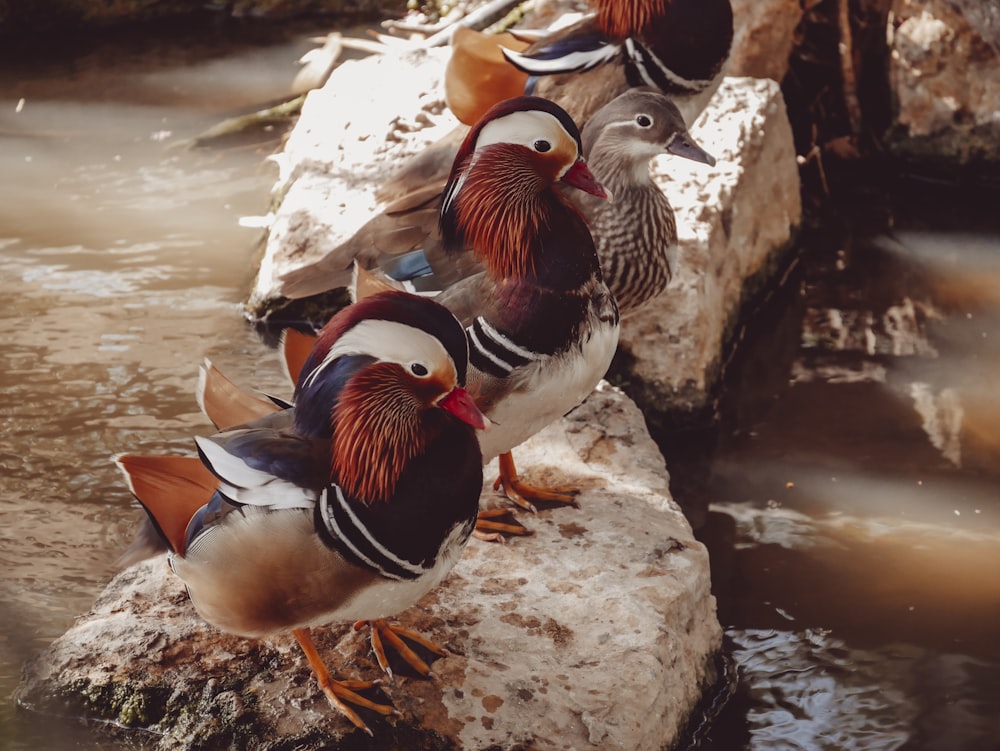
(339, 534)
(506, 343)
(478, 348)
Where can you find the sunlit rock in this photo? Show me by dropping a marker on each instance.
(944, 57)
(763, 37)
(353, 133)
(597, 632)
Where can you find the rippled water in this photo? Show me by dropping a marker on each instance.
(855, 515)
(123, 266)
(854, 520)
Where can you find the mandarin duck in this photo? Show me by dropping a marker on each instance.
(541, 322)
(635, 234)
(227, 404)
(678, 47)
(350, 505)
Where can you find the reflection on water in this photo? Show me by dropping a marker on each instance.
(828, 695)
(123, 266)
(854, 524)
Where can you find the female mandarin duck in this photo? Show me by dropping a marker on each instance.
(678, 47)
(635, 235)
(350, 505)
(541, 322)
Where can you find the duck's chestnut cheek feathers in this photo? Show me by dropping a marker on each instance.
(428, 390)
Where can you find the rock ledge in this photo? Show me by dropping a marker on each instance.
(597, 632)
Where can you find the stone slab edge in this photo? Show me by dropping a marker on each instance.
(734, 223)
(597, 632)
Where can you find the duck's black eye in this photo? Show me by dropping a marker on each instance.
(643, 121)
(542, 146)
(418, 369)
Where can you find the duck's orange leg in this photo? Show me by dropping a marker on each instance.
(340, 693)
(523, 494)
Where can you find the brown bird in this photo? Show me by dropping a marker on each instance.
(678, 47)
(636, 235)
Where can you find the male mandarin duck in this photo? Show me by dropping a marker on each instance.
(635, 234)
(541, 322)
(226, 404)
(348, 506)
(678, 47)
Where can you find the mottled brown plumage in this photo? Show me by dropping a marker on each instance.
(636, 235)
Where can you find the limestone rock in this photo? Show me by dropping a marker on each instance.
(763, 37)
(597, 632)
(353, 132)
(732, 223)
(944, 58)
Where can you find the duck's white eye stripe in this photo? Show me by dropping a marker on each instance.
(523, 127)
(389, 341)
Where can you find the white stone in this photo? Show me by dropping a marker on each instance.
(944, 58)
(353, 132)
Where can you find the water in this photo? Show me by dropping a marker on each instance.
(123, 266)
(854, 516)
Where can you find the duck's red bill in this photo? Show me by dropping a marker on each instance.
(463, 406)
(580, 176)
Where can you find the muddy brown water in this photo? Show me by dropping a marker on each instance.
(854, 489)
(852, 493)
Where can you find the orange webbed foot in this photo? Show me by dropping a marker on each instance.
(525, 495)
(341, 694)
(383, 632)
(490, 529)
